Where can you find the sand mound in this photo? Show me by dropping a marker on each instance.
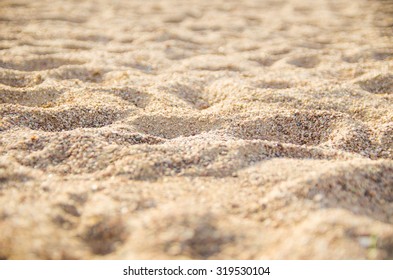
(196, 129)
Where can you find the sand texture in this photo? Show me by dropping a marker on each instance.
(203, 129)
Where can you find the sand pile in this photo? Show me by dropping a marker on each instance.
(196, 129)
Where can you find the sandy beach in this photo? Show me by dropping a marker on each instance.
(201, 129)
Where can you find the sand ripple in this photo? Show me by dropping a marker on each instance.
(196, 129)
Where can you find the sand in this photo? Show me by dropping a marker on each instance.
(204, 129)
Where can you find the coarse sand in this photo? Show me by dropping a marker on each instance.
(200, 129)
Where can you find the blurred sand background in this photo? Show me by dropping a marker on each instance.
(203, 129)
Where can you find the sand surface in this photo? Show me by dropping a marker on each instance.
(204, 129)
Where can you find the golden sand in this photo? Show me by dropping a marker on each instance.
(207, 129)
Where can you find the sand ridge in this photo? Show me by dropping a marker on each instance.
(196, 129)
